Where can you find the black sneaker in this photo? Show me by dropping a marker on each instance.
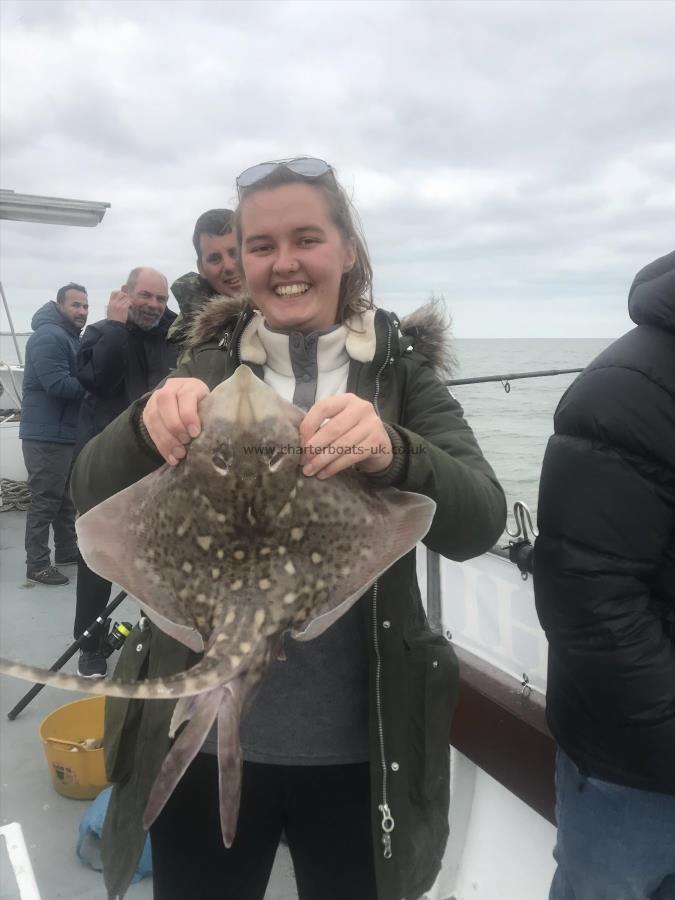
(50, 575)
(69, 559)
(92, 664)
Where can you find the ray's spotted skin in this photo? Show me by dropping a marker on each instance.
(228, 550)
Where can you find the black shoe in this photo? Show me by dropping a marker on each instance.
(69, 559)
(50, 575)
(92, 664)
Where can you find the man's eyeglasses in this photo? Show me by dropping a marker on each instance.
(306, 166)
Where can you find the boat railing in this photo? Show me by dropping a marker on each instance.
(11, 324)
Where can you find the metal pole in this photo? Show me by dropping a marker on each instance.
(434, 612)
(11, 325)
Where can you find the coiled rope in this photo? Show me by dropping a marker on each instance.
(14, 495)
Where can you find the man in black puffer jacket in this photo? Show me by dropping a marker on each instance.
(121, 358)
(604, 577)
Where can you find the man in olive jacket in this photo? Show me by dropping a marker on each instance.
(413, 673)
(217, 274)
(604, 578)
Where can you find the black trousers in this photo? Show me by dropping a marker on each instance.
(48, 465)
(323, 810)
(91, 598)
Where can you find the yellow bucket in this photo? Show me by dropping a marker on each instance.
(67, 735)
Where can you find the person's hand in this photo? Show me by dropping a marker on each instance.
(118, 306)
(170, 416)
(353, 435)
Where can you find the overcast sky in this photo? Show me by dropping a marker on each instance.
(516, 158)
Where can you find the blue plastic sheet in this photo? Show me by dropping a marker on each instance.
(89, 842)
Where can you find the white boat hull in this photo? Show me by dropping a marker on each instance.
(499, 846)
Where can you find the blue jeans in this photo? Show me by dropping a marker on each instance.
(614, 842)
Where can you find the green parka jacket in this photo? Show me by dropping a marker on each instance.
(192, 292)
(413, 671)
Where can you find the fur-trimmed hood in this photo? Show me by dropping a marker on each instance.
(209, 323)
(431, 327)
(426, 330)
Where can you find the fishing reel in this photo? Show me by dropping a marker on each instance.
(113, 638)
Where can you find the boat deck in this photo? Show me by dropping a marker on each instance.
(35, 627)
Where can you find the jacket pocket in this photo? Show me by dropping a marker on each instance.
(122, 715)
(433, 684)
(441, 691)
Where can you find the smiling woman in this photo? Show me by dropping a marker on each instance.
(345, 745)
(294, 257)
(291, 220)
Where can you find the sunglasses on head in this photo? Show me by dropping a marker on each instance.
(306, 166)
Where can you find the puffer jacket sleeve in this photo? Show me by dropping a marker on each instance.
(51, 355)
(443, 461)
(606, 520)
(101, 361)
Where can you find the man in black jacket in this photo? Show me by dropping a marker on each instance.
(120, 359)
(604, 577)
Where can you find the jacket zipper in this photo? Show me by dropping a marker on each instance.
(225, 342)
(387, 824)
(376, 397)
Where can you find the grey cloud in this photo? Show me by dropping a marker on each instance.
(512, 156)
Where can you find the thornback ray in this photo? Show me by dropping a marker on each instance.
(230, 549)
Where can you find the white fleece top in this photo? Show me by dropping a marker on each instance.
(281, 350)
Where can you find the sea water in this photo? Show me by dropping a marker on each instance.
(513, 428)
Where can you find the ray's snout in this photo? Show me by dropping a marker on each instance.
(252, 400)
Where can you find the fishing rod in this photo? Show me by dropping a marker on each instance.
(505, 380)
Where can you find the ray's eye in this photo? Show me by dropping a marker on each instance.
(276, 459)
(222, 459)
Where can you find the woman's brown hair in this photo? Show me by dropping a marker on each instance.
(356, 287)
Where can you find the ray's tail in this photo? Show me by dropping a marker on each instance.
(201, 678)
(185, 748)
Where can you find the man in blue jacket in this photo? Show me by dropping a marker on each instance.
(50, 406)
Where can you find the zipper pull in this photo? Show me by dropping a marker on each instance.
(386, 843)
(387, 828)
